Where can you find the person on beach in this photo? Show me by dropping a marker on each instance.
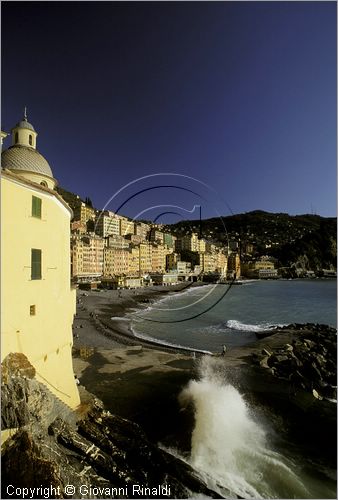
(224, 350)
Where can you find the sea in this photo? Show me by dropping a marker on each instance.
(207, 317)
(231, 446)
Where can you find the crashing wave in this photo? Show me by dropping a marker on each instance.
(233, 324)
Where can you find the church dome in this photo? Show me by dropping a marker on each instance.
(25, 159)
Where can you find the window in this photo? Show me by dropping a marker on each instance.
(30, 139)
(16, 137)
(36, 207)
(44, 184)
(32, 310)
(36, 264)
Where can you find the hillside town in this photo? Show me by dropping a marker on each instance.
(110, 250)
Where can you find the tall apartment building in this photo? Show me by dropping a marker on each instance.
(188, 242)
(145, 257)
(158, 260)
(106, 224)
(202, 246)
(87, 257)
(208, 262)
(222, 263)
(126, 226)
(171, 261)
(39, 303)
(114, 241)
(134, 238)
(141, 229)
(134, 261)
(234, 265)
(83, 213)
(156, 236)
(116, 261)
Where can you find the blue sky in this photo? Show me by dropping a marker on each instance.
(239, 95)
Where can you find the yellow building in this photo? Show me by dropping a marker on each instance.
(156, 236)
(263, 263)
(117, 242)
(208, 262)
(38, 302)
(86, 257)
(234, 265)
(262, 268)
(141, 229)
(134, 261)
(158, 254)
(171, 261)
(222, 263)
(116, 261)
(145, 257)
(188, 242)
(83, 213)
(126, 226)
(202, 246)
(106, 224)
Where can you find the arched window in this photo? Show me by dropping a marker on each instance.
(30, 140)
(16, 137)
(44, 184)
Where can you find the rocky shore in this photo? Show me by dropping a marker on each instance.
(308, 362)
(111, 441)
(99, 454)
(147, 388)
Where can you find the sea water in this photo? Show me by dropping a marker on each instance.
(231, 447)
(207, 317)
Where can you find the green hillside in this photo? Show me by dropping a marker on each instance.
(287, 238)
(308, 241)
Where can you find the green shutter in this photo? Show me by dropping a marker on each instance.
(36, 207)
(36, 264)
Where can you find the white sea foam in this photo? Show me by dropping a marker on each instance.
(233, 324)
(166, 343)
(238, 326)
(229, 447)
(119, 318)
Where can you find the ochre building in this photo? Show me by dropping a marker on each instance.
(38, 301)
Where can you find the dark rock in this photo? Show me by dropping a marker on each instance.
(18, 365)
(307, 360)
(102, 450)
(264, 362)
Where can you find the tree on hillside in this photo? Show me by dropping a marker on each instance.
(88, 202)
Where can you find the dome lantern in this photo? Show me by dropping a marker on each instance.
(24, 159)
(23, 134)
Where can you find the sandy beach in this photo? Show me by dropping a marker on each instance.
(134, 378)
(95, 310)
